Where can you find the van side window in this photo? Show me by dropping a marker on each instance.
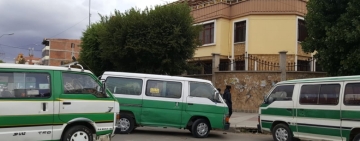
(282, 93)
(166, 89)
(128, 86)
(352, 94)
(320, 94)
(199, 89)
(25, 85)
(80, 84)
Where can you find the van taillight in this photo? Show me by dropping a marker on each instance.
(118, 116)
(259, 119)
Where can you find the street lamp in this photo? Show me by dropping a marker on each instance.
(7, 34)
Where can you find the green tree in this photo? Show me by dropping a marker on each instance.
(334, 31)
(90, 51)
(1, 61)
(157, 41)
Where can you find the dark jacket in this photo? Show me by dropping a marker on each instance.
(227, 97)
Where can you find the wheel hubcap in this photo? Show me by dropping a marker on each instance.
(202, 129)
(281, 134)
(124, 124)
(79, 136)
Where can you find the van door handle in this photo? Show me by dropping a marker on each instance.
(289, 109)
(44, 106)
(190, 104)
(67, 103)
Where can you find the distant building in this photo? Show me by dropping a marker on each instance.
(27, 60)
(59, 51)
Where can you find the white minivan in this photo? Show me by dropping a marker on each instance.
(325, 108)
(167, 101)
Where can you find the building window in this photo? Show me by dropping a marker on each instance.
(302, 31)
(45, 62)
(240, 31)
(207, 35)
(45, 53)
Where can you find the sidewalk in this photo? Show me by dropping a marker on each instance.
(241, 120)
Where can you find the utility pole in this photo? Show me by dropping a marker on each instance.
(72, 49)
(89, 12)
(31, 54)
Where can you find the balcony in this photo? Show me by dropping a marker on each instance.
(238, 8)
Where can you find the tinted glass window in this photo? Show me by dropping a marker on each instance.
(352, 94)
(166, 89)
(128, 86)
(205, 90)
(281, 93)
(324, 94)
(81, 84)
(25, 85)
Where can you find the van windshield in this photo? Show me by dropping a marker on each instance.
(283, 92)
(75, 83)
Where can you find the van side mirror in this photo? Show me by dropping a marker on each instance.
(103, 88)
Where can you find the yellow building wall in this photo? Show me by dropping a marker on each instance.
(222, 43)
(269, 34)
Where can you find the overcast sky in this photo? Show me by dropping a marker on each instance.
(33, 20)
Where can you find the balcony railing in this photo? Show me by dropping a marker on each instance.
(231, 9)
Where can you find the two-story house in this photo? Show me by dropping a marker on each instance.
(248, 34)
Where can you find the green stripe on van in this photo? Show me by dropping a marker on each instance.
(48, 119)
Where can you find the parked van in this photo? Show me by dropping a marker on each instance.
(167, 101)
(325, 108)
(54, 103)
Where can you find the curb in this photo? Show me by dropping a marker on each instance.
(253, 130)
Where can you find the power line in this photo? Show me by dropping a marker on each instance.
(69, 27)
(63, 30)
(16, 47)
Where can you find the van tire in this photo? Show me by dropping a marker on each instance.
(279, 128)
(357, 137)
(125, 118)
(200, 122)
(78, 131)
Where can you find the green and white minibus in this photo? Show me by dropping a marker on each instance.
(54, 103)
(167, 101)
(325, 108)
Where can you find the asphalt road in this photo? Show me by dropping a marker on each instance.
(169, 134)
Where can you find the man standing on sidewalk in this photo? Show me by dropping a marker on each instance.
(227, 97)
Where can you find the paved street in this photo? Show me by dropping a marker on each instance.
(169, 134)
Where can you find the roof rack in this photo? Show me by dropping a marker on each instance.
(73, 64)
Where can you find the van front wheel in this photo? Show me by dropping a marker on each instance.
(125, 125)
(281, 132)
(78, 133)
(357, 137)
(200, 128)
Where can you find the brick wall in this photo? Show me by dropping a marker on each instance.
(60, 50)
